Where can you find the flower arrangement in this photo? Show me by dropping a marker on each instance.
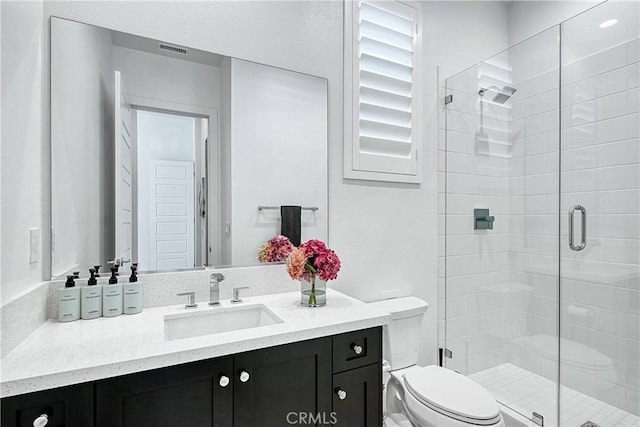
(276, 249)
(312, 259)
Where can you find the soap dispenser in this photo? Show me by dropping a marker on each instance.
(91, 306)
(133, 293)
(69, 301)
(112, 296)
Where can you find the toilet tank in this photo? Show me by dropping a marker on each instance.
(401, 337)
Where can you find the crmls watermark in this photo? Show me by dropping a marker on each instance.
(308, 418)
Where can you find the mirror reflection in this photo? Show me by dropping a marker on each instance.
(177, 158)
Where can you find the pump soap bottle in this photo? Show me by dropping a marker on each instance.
(132, 293)
(91, 298)
(69, 301)
(112, 296)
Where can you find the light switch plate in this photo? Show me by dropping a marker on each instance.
(34, 245)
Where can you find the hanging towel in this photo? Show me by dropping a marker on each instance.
(291, 225)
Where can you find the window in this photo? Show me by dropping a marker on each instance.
(381, 84)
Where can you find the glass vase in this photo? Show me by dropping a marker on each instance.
(313, 292)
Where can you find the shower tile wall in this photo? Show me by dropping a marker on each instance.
(532, 304)
(476, 164)
(600, 297)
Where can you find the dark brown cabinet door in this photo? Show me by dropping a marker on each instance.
(357, 397)
(278, 386)
(186, 395)
(63, 407)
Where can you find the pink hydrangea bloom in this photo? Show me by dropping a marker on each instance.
(296, 263)
(328, 265)
(313, 247)
(313, 258)
(276, 249)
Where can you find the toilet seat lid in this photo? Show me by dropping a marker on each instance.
(452, 394)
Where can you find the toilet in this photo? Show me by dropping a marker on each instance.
(426, 396)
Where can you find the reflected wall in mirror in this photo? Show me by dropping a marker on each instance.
(162, 154)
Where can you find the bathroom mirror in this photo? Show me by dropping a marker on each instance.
(177, 158)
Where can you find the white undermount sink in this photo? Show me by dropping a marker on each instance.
(217, 320)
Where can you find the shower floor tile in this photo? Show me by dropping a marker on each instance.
(525, 392)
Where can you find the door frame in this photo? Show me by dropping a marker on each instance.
(212, 234)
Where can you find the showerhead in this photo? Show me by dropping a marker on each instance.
(502, 95)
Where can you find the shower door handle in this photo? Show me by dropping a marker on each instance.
(583, 228)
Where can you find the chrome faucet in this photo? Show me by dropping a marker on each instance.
(214, 288)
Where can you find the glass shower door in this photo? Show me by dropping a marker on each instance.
(600, 204)
(502, 226)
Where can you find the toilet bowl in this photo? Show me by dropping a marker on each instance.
(426, 396)
(432, 396)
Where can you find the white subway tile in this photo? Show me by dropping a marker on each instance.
(612, 106)
(580, 136)
(612, 82)
(633, 100)
(618, 153)
(612, 58)
(612, 130)
(633, 75)
(633, 51)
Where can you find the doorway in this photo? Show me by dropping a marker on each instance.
(170, 214)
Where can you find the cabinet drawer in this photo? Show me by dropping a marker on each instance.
(64, 407)
(356, 349)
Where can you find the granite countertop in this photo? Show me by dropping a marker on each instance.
(59, 354)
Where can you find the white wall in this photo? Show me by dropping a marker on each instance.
(154, 77)
(24, 155)
(528, 18)
(81, 136)
(385, 234)
(278, 154)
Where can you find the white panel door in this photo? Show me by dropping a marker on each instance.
(123, 193)
(171, 215)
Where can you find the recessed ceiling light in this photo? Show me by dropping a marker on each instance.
(609, 23)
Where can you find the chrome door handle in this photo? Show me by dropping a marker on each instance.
(224, 380)
(357, 349)
(342, 395)
(244, 376)
(41, 421)
(583, 228)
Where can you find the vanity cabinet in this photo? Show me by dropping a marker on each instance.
(282, 384)
(60, 407)
(324, 381)
(198, 394)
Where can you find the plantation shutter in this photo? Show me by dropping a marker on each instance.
(384, 84)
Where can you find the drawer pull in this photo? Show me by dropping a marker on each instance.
(41, 421)
(342, 395)
(224, 381)
(244, 376)
(357, 349)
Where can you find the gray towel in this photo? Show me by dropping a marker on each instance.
(291, 225)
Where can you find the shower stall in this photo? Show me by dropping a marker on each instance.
(542, 222)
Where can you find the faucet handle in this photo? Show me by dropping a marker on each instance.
(236, 294)
(192, 299)
(217, 277)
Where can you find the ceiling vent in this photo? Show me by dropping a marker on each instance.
(174, 49)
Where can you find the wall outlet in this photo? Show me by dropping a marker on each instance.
(34, 245)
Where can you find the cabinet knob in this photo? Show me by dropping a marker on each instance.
(224, 381)
(244, 376)
(357, 349)
(41, 421)
(342, 395)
